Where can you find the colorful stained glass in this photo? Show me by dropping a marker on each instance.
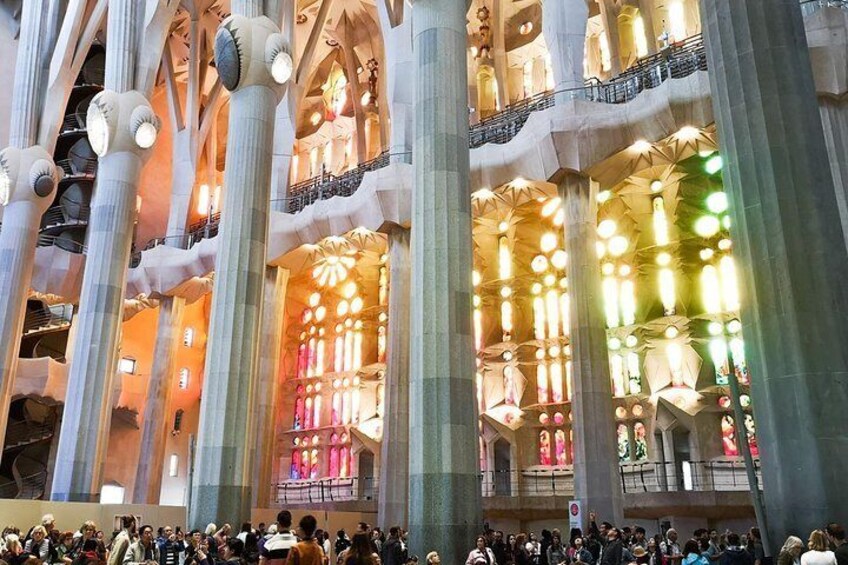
(640, 440)
(545, 448)
(559, 440)
(623, 442)
(728, 436)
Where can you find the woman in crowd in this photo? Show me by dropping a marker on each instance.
(38, 545)
(64, 547)
(818, 553)
(578, 553)
(790, 553)
(521, 555)
(360, 551)
(480, 555)
(692, 554)
(557, 554)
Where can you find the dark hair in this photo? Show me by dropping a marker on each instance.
(836, 531)
(284, 519)
(699, 532)
(691, 547)
(308, 524)
(733, 539)
(607, 525)
(360, 550)
(394, 531)
(756, 533)
(236, 546)
(363, 526)
(639, 530)
(191, 533)
(145, 527)
(246, 527)
(91, 544)
(127, 521)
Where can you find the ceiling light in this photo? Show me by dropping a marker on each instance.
(281, 68)
(145, 135)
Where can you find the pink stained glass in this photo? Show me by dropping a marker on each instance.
(295, 465)
(311, 358)
(344, 462)
(728, 436)
(556, 381)
(559, 441)
(542, 384)
(316, 410)
(298, 414)
(752, 435)
(304, 464)
(334, 462)
(336, 416)
(545, 448)
(315, 467)
(302, 360)
(307, 415)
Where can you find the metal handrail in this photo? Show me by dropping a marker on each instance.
(45, 240)
(60, 315)
(65, 216)
(73, 169)
(32, 484)
(695, 476)
(71, 123)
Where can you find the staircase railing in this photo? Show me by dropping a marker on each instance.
(52, 318)
(22, 433)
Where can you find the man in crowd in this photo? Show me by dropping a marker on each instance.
(836, 536)
(393, 553)
(142, 551)
(276, 550)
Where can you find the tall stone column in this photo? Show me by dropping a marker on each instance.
(564, 26)
(597, 477)
(444, 490)
(397, 36)
(393, 499)
(268, 383)
(121, 128)
(23, 201)
(834, 114)
(788, 240)
(157, 408)
(248, 48)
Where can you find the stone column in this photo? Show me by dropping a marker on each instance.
(268, 381)
(834, 114)
(444, 490)
(157, 408)
(788, 240)
(597, 478)
(23, 206)
(221, 486)
(393, 498)
(121, 128)
(397, 36)
(564, 26)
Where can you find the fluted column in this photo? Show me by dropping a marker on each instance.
(597, 478)
(564, 27)
(221, 489)
(789, 242)
(444, 490)
(22, 206)
(115, 117)
(397, 36)
(834, 114)
(157, 408)
(268, 382)
(393, 496)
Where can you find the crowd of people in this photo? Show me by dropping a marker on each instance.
(280, 544)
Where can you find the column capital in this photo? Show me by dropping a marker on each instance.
(27, 175)
(252, 52)
(122, 123)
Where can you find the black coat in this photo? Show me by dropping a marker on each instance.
(392, 553)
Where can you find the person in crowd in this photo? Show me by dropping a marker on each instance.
(836, 536)
(233, 553)
(90, 552)
(790, 553)
(640, 555)
(307, 551)
(692, 554)
(393, 553)
(556, 553)
(14, 553)
(221, 537)
(122, 541)
(481, 554)
(614, 550)
(735, 554)
(413, 560)
(639, 539)
(275, 551)
(715, 547)
(64, 547)
(671, 548)
(170, 547)
(201, 555)
(361, 551)
(521, 555)
(377, 539)
(578, 553)
(499, 548)
(755, 546)
(251, 549)
(342, 542)
(261, 529)
(654, 552)
(144, 550)
(246, 528)
(38, 545)
(433, 558)
(534, 548)
(818, 552)
(326, 545)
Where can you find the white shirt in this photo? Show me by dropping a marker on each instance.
(818, 558)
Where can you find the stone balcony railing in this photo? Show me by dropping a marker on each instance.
(689, 476)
